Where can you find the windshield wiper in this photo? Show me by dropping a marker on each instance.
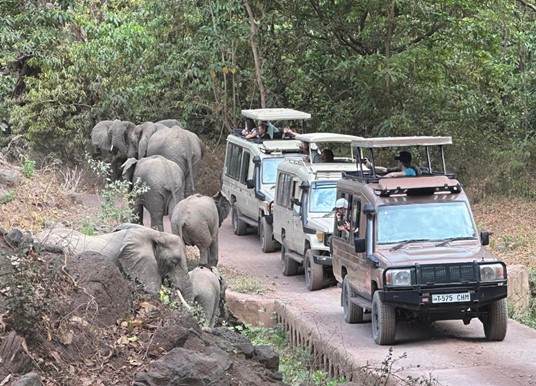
(403, 243)
(446, 241)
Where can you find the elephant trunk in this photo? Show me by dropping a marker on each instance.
(119, 144)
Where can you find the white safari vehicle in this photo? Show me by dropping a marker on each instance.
(303, 209)
(249, 172)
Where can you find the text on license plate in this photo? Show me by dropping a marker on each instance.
(451, 298)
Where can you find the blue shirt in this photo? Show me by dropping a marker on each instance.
(410, 172)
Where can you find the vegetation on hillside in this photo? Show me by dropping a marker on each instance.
(461, 68)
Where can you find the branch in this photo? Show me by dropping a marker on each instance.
(258, 68)
(531, 6)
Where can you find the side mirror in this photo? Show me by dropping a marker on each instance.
(295, 201)
(360, 245)
(484, 237)
(250, 184)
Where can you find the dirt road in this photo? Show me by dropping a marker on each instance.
(449, 352)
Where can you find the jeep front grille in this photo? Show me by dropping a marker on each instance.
(451, 273)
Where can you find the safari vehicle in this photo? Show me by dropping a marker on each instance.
(303, 208)
(417, 255)
(249, 172)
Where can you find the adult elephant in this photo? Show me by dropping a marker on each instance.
(197, 220)
(209, 292)
(138, 138)
(108, 138)
(182, 147)
(141, 253)
(165, 180)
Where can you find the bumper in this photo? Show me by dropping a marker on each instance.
(421, 299)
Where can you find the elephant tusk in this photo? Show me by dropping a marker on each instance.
(183, 301)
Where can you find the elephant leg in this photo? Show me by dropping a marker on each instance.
(204, 257)
(157, 220)
(213, 256)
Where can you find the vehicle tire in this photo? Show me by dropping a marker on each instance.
(352, 312)
(265, 234)
(314, 273)
(289, 266)
(239, 227)
(497, 321)
(383, 321)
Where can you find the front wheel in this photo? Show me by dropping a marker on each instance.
(496, 323)
(289, 266)
(265, 233)
(314, 273)
(383, 321)
(239, 226)
(352, 312)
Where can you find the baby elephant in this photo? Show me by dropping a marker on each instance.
(209, 292)
(197, 220)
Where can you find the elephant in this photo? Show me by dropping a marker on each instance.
(109, 143)
(140, 252)
(197, 219)
(165, 180)
(209, 292)
(139, 137)
(182, 147)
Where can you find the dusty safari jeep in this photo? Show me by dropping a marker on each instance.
(416, 254)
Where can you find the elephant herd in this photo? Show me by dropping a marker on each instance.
(166, 158)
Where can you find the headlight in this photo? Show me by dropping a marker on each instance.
(399, 277)
(491, 272)
(320, 236)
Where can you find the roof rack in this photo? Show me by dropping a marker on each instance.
(417, 186)
(370, 144)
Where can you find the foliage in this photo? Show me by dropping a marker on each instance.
(28, 167)
(7, 198)
(118, 197)
(296, 365)
(459, 68)
(27, 301)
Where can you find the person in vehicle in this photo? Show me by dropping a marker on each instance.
(327, 156)
(249, 129)
(402, 169)
(305, 150)
(290, 132)
(261, 132)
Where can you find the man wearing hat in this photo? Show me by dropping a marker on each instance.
(343, 226)
(402, 169)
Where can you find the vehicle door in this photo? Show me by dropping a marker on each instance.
(283, 208)
(298, 207)
(362, 266)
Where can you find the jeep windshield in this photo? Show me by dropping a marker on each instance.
(322, 198)
(424, 222)
(269, 169)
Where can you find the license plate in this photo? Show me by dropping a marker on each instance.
(451, 298)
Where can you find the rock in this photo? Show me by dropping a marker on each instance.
(238, 341)
(518, 289)
(170, 337)
(185, 367)
(267, 356)
(9, 177)
(30, 379)
(13, 356)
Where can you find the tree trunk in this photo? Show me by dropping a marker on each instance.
(258, 66)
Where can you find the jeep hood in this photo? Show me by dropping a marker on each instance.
(269, 192)
(428, 254)
(324, 224)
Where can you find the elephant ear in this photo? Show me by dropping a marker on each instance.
(137, 258)
(128, 168)
(223, 205)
